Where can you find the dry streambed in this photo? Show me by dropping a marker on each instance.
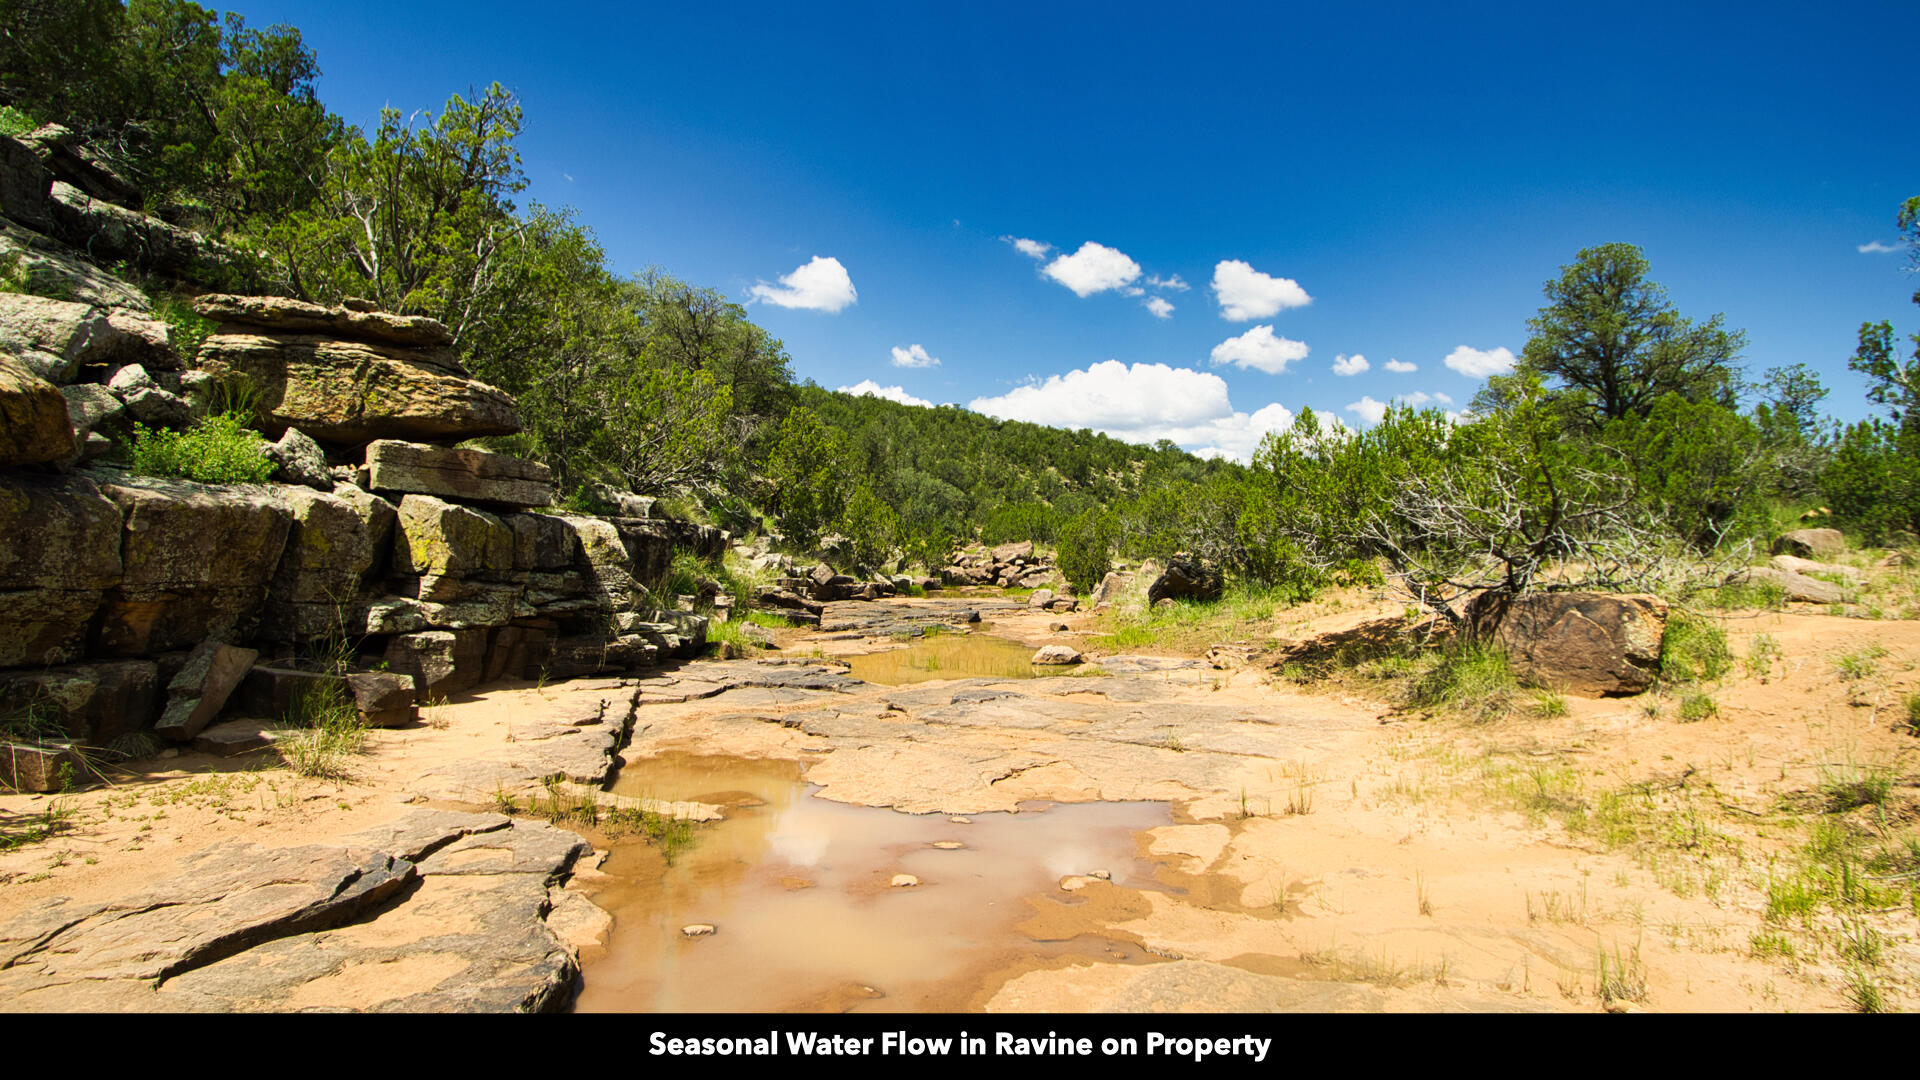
(1154, 835)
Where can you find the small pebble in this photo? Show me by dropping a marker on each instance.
(699, 929)
(961, 820)
(948, 845)
(1103, 875)
(905, 881)
(1074, 883)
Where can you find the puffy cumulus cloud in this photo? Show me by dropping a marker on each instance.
(892, 393)
(913, 356)
(1142, 403)
(1350, 365)
(1368, 409)
(1421, 397)
(1478, 363)
(1401, 366)
(1160, 308)
(1260, 348)
(1245, 293)
(1032, 249)
(1877, 248)
(1171, 281)
(1094, 268)
(821, 285)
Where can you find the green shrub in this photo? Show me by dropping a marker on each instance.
(1696, 706)
(14, 123)
(219, 449)
(1086, 550)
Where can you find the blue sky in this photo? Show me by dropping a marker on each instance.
(1414, 173)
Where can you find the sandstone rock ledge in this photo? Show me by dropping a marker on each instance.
(439, 911)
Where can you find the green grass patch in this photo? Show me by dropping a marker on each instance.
(322, 729)
(1694, 649)
(218, 449)
(1466, 676)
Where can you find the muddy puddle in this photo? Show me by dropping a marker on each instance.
(800, 893)
(951, 656)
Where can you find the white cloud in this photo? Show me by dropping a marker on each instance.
(1350, 365)
(821, 285)
(1160, 308)
(1368, 409)
(1246, 293)
(891, 393)
(1172, 281)
(1259, 348)
(1142, 403)
(913, 356)
(1094, 268)
(1033, 249)
(1876, 248)
(1133, 290)
(1401, 366)
(1478, 363)
(1421, 397)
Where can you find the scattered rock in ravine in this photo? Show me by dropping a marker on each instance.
(1810, 543)
(1055, 655)
(699, 929)
(904, 881)
(1594, 644)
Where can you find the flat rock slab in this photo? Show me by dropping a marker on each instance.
(1796, 587)
(420, 833)
(231, 898)
(464, 475)
(250, 929)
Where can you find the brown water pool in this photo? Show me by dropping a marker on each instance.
(799, 891)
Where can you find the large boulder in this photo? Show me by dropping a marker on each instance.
(56, 338)
(344, 378)
(1186, 579)
(463, 475)
(34, 425)
(1594, 644)
(1810, 543)
(62, 551)
(197, 559)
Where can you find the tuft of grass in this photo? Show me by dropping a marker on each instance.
(1851, 784)
(1861, 664)
(1622, 979)
(1763, 652)
(1549, 704)
(1911, 705)
(1422, 893)
(1696, 706)
(323, 729)
(1694, 649)
(1467, 676)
